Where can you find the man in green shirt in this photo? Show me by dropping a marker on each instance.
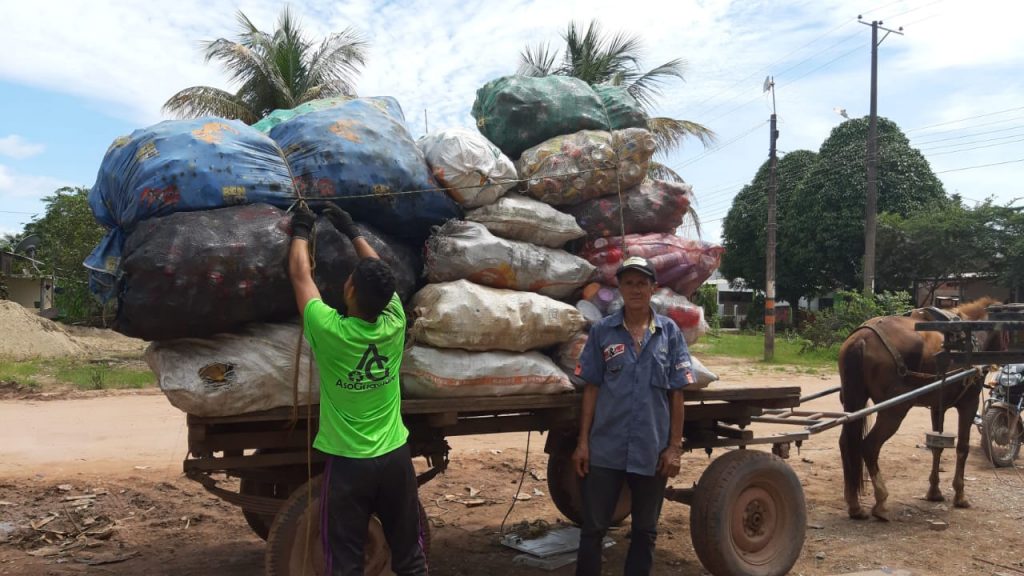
(369, 467)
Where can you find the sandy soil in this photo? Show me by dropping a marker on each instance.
(109, 466)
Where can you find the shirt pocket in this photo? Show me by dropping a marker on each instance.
(660, 367)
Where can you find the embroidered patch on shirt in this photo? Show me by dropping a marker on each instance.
(682, 365)
(613, 351)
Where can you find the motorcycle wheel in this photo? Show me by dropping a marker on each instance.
(1001, 434)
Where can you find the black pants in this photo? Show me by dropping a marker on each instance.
(600, 490)
(355, 488)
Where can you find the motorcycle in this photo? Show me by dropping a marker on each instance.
(1000, 424)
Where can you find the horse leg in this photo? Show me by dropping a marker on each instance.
(934, 493)
(886, 424)
(966, 409)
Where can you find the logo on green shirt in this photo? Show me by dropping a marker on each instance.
(371, 372)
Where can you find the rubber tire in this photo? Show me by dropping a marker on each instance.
(997, 416)
(729, 487)
(260, 523)
(564, 488)
(290, 525)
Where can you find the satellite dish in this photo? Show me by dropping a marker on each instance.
(28, 245)
(768, 83)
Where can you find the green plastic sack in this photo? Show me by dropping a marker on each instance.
(283, 115)
(519, 112)
(622, 109)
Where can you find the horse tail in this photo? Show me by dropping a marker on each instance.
(853, 393)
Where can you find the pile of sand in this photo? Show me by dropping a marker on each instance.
(24, 334)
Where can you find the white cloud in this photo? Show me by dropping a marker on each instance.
(128, 57)
(18, 186)
(17, 147)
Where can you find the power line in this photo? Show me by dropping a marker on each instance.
(1015, 127)
(980, 166)
(957, 121)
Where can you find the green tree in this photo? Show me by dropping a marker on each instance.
(596, 58)
(823, 236)
(273, 70)
(8, 241)
(945, 240)
(67, 233)
(744, 234)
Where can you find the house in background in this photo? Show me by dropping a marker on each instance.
(26, 282)
(957, 290)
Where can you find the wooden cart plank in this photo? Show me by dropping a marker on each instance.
(768, 397)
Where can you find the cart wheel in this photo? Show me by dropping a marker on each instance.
(294, 546)
(748, 516)
(260, 523)
(564, 487)
(1001, 436)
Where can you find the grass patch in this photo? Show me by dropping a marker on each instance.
(21, 373)
(100, 377)
(81, 374)
(751, 346)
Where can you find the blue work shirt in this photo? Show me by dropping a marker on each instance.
(632, 416)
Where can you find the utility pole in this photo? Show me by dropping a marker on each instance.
(769, 290)
(871, 209)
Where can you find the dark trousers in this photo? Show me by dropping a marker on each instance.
(355, 488)
(600, 491)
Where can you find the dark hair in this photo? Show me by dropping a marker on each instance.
(374, 285)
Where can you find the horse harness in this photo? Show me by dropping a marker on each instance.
(935, 314)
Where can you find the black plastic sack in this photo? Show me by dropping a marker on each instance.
(336, 258)
(196, 274)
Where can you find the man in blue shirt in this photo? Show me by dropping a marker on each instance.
(635, 365)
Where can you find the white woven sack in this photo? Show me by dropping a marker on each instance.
(465, 315)
(474, 171)
(520, 218)
(467, 250)
(445, 373)
(230, 374)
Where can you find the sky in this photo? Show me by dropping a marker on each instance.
(79, 74)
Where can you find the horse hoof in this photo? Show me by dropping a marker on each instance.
(880, 513)
(935, 496)
(962, 503)
(859, 514)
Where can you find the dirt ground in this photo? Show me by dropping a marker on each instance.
(107, 467)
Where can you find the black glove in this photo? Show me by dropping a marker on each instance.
(302, 222)
(342, 221)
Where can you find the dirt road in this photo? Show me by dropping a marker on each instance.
(114, 460)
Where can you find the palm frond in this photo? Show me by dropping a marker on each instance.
(658, 171)
(538, 60)
(244, 64)
(645, 87)
(336, 63)
(669, 133)
(199, 101)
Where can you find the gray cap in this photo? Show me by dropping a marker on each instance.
(639, 264)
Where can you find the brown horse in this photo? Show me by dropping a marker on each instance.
(884, 358)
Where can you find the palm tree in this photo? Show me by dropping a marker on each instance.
(596, 58)
(279, 70)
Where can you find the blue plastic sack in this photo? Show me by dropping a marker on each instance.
(180, 166)
(360, 155)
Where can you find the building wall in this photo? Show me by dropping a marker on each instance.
(24, 291)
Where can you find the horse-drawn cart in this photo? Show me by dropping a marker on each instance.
(747, 516)
(747, 509)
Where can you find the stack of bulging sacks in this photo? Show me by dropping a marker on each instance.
(592, 163)
(494, 282)
(197, 248)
